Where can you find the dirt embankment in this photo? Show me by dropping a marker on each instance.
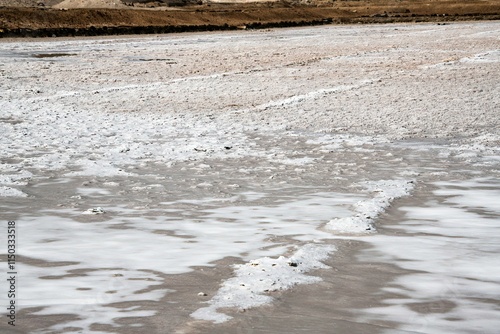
(42, 21)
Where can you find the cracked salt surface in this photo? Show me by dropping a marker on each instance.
(253, 149)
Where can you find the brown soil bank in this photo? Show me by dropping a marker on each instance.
(42, 22)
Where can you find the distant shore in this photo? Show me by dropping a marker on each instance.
(58, 22)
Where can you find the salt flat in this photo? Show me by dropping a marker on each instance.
(329, 178)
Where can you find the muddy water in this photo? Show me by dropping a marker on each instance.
(427, 270)
(431, 268)
(169, 234)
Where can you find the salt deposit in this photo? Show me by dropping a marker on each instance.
(133, 165)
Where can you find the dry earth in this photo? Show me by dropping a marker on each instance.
(105, 17)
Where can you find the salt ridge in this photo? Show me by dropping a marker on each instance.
(368, 210)
(254, 282)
